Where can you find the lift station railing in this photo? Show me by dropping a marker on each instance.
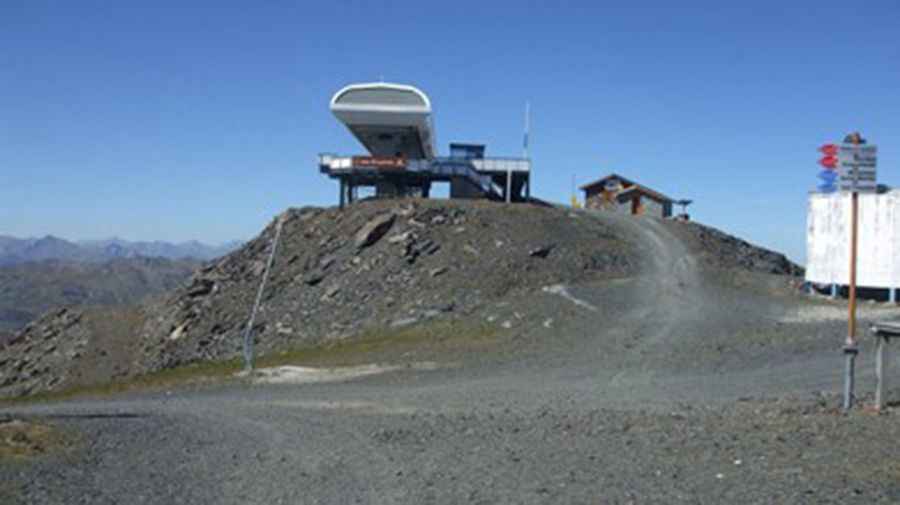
(480, 171)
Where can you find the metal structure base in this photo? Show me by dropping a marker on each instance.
(850, 353)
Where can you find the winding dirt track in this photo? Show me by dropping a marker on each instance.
(630, 397)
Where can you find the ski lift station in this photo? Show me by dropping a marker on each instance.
(828, 241)
(394, 123)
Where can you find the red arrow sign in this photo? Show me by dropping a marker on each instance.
(829, 149)
(829, 162)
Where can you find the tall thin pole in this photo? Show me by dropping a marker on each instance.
(850, 348)
(854, 234)
(248, 331)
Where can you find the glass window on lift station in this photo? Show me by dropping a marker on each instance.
(467, 151)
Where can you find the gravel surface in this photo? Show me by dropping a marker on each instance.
(682, 383)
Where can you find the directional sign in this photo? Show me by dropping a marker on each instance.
(858, 155)
(828, 176)
(856, 165)
(828, 149)
(829, 161)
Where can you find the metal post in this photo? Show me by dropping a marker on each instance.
(882, 359)
(849, 373)
(343, 192)
(508, 185)
(850, 349)
(248, 332)
(851, 322)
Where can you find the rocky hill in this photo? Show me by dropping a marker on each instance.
(337, 274)
(721, 250)
(27, 290)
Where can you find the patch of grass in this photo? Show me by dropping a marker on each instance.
(388, 343)
(381, 344)
(21, 439)
(193, 374)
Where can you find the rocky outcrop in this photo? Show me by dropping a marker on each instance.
(719, 249)
(372, 231)
(40, 357)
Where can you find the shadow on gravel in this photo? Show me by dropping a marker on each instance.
(94, 416)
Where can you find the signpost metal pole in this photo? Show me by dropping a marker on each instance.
(850, 348)
(857, 174)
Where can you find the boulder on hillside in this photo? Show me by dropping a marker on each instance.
(372, 231)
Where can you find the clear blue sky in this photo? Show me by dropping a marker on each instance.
(169, 122)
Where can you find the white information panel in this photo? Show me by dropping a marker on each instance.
(828, 239)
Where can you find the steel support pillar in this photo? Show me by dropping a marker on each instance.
(882, 360)
(850, 353)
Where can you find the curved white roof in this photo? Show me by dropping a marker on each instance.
(388, 119)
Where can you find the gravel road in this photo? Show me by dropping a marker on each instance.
(683, 384)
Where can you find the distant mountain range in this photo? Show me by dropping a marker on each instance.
(19, 250)
(30, 288)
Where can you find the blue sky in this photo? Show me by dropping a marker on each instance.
(161, 121)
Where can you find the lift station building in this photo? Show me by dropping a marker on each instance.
(394, 123)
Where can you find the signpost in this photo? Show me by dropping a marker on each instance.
(857, 167)
(830, 162)
(855, 162)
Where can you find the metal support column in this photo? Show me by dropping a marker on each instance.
(850, 353)
(342, 191)
(508, 185)
(884, 332)
(882, 359)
